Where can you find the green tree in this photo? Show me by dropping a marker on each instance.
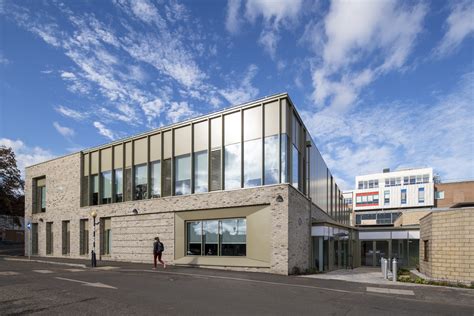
(11, 185)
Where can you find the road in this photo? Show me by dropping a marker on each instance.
(132, 289)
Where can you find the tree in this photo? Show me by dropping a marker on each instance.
(11, 184)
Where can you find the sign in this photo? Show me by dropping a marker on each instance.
(28, 225)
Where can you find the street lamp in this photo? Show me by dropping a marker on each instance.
(93, 257)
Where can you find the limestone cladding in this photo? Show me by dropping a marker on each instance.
(410, 218)
(450, 237)
(132, 235)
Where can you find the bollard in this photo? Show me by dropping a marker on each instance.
(394, 270)
(381, 265)
(387, 265)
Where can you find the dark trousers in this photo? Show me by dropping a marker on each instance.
(157, 255)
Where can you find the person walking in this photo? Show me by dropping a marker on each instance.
(158, 249)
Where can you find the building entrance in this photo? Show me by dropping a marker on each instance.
(372, 251)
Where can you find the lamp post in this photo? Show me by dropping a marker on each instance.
(93, 257)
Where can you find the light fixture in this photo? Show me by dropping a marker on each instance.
(94, 214)
(279, 198)
(135, 211)
(41, 220)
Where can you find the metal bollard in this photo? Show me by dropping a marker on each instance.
(394, 270)
(387, 268)
(381, 265)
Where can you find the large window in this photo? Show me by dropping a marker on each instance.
(403, 196)
(183, 175)
(200, 171)
(95, 189)
(40, 195)
(49, 238)
(118, 185)
(156, 179)
(167, 177)
(215, 170)
(271, 160)
(141, 182)
(253, 163)
(106, 236)
(225, 237)
(295, 170)
(421, 195)
(232, 166)
(84, 237)
(284, 158)
(66, 238)
(106, 187)
(386, 197)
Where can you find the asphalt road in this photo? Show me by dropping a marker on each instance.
(132, 289)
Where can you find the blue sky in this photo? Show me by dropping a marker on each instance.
(379, 83)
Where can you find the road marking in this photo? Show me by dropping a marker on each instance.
(106, 268)
(389, 291)
(95, 284)
(74, 270)
(43, 271)
(77, 265)
(8, 273)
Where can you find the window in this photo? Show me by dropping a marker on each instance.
(426, 253)
(386, 197)
(371, 184)
(232, 166)
(361, 185)
(49, 238)
(166, 177)
(141, 182)
(366, 184)
(412, 179)
(118, 185)
(128, 184)
(419, 178)
(403, 196)
(106, 238)
(39, 204)
(66, 233)
(156, 179)
(376, 183)
(224, 237)
(392, 182)
(387, 182)
(426, 178)
(295, 167)
(84, 237)
(439, 195)
(95, 189)
(252, 163)
(398, 181)
(200, 171)
(284, 158)
(271, 160)
(421, 195)
(183, 175)
(34, 239)
(216, 170)
(106, 187)
(405, 180)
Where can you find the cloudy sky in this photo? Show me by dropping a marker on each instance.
(379, 83)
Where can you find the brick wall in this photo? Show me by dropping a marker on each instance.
(451, 245)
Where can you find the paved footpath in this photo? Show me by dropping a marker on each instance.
(132, 289)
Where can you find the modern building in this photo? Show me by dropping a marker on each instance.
(381, 197)
(244, 188)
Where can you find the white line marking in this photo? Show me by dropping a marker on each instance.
(43, 271)
(74, 270)
(106, 268)
(8, 273)
(77, 265)
(96, 284)
(389, 291)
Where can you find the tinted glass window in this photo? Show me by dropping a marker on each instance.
(183, 175)
(271, 159)
(232, 166)
(253, 163)
(200, 171)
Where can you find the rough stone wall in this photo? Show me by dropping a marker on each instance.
(451, 245)
(132, 235)
(410, 218)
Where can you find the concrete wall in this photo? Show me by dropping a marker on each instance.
(451, 245)
(132, 235)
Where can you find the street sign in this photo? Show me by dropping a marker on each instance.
(28, 225)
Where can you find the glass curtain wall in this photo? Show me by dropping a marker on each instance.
(118, 185)
(95, 189)
(271, 142)
(106, 187)
(215, 158)
(141, 182)
(253, 147)
(200, 148)
(155, 179)
(183, 175)
(232, 151)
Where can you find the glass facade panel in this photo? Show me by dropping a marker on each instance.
(141, 182)
(284, 158)
(232, 128)
(118, 187)
(84, 237)
(253, 163)
(421, 195)
(403, 196)
(232, 166)
(200, 171)
(106, 187)
(95, 189)
(211, 240)
(295, 168)
(216, 166)
(216, 132)
(271, 160)
(194, 238)
(156, 179)
(128, 184)
(183, 175)
(253, 123)
(43, 198)
(166, 177)
(233, 237)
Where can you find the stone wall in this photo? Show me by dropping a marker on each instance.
(410, 218)
(451, 245)
(132, 234)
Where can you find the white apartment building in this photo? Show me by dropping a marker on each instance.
(380, 197)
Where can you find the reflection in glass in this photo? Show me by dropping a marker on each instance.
(232, 166)
(252, 163)
(284, 158)
(183, 175)
(118, 185)
(210, 233)
(194, 234)
(233, 237)
(215, 170)
(95, 189)
(271, 159)
(156, 179)
(128, 184)
(141, 182)
(166, 177)
(295, 167)
(106, 187)
(43, 198)
(200, 171)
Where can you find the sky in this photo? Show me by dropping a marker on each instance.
(379, 84)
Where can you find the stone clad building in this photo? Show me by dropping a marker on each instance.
(243, 188)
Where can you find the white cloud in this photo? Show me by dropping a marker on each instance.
(104, 131)
(26, 155)
(245, 91)
(153, 108)
(273, 11)
(459, 25)
(3, 59)
(233, 20)
(68, 112)
(179, 111)
(269, 41)
(64, 130)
